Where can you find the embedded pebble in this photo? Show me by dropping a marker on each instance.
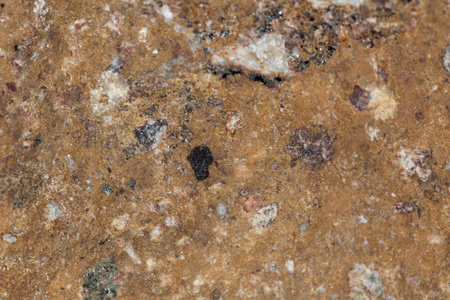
(265, 215)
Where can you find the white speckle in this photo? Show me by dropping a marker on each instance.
(115, 21)
(52, 211)
(183, 241)
(151, 264)
(321, 289)
(234, 121)
(107, 8)
(434, 239)
(121, 222)
(382, 102)
(111, 85)
(130, 251)
(39, 9)
(362, 219)
(295, 52)
(265, 215)
(167, 14)
(159, 134)
(221, 209)
(325, 3)
(170, 222)
(9, 238)
(373, 133)
(198, 282)
(414, 162)
(143, 35)
(156, 232)
(155, 51)
(446, 60)
(266, 55)
(273, 268)
(304, 226)
(2, 53)
(289, 264)
(71, 163)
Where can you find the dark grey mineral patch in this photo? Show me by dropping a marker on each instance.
(99, 283)
(360, 98)
(313, 144)
(200, 159)
(150, 134)
(116, 65)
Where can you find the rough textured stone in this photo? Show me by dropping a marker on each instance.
(147, 149)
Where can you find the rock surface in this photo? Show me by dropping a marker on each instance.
(224, 149)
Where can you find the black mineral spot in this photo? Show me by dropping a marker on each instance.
(224, 33)
(150, 134)
(200, 159)
(303, 65)
(132, 183)
(150, 111)
(266, 81)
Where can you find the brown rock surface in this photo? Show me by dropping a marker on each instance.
(102, 102)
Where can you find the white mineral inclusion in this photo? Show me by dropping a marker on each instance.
(40, 9)
(121, 222)
(151, 264)
(134, 257)
(325, 3)
(289, 264)
(383, 104)
(167, 14)
(266, 55)
(221, 209)
(111, 85)
(52, 211)
(414, 162)
(9, 238)
(265, 215)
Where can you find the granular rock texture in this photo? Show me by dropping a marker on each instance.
(224, 149)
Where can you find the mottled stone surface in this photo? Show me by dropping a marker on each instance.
(328, 164)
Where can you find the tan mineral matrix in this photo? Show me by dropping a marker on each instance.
(224, 149)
